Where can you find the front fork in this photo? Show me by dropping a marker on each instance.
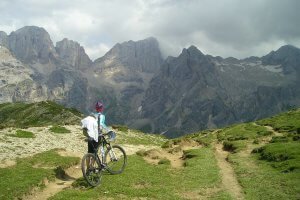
(111, 152)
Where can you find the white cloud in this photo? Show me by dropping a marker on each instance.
(226, 28)
(97, 50)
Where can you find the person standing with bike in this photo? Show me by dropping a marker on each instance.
(112, 157)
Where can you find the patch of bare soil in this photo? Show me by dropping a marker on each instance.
(229, 180)
(155, 155)
(51, 188)
(203, 193)
(187, 144)
(131, 149)
(7, 163)
(174, 154)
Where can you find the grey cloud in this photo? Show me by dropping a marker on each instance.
(226, 28)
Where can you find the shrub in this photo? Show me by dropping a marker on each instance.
(229, 146)
(167, 144)
(256, 141)
(122, 128)
(188, 154)
(233, 146)
(59, 129)
(277, 139)
(164, 161)
(23, 134)
(141, 153)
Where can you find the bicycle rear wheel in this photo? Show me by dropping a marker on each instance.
(91, 171)
(115, 159)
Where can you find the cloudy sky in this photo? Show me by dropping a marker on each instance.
(236, 28)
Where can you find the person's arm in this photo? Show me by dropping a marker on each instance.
(102, 123)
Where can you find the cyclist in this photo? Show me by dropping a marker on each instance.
(94, 125)
(100, 118)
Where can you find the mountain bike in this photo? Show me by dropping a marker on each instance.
(112, 159)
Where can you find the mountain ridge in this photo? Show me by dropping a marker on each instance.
(189, 92)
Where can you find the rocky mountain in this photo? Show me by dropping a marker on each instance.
(16, 82)
(196, 91)
(32, 69)
(174, 96)
(73, 54)
(125, 71)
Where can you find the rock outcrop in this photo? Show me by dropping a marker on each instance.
(73, 54)
(31, 44)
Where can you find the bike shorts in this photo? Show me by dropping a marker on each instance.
(92, 146)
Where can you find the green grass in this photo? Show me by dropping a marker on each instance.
(234, 146)
(28, 173)
(59, 129)
(136, 137)
(260, 180)
(22, 134)
(143, 180)
(23, 115)
(283, 156)
(242, 132)
(122, 128)
(287, 122)
(204, 138)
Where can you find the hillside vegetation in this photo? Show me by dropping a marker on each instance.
(256, 160)
(36, 114)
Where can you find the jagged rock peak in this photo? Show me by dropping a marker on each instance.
(3, 39)
(192, 51)
(73, 54)
(143, 55)
(30, 44)
(288, 47)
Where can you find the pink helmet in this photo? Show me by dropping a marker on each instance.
(99, 106)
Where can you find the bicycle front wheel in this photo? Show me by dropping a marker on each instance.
(91, 171)
(115, 158)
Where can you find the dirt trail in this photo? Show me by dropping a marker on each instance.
(270, 128)
(56, 186)
(228, 176)
(72, 173)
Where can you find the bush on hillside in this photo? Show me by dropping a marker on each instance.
(122, 128)
(59, 129)
(25, 115)
(164, 161)
(283, 156)
(23, 134)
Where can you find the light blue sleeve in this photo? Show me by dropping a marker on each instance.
(102, 122)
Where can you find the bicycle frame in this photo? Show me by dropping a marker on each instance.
(104, 144)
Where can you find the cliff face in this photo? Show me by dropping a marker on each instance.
(16, 82)
(126, 71)
(32, 69)
(174, 96)
(194, 91)
(73, 54)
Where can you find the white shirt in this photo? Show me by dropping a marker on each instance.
(90, 123)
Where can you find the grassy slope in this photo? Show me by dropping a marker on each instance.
(271, 172)
(27, 173)
(36, 114)
(141, 179)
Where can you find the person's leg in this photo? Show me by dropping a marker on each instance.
(90, 163)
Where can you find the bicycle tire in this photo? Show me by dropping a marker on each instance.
(115, 165)
(92, 174)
